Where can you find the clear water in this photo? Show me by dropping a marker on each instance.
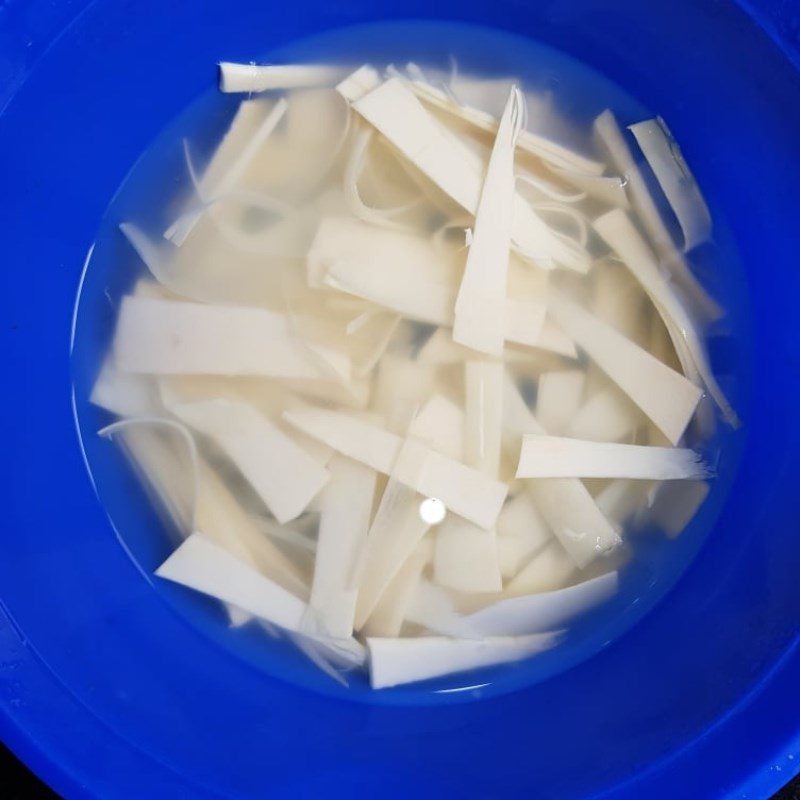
(152, 195)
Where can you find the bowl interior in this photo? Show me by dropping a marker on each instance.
(118, 663)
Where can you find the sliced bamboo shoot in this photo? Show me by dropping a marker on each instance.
(255, 78)
(665, 396)
(465, 557)
(609, 133)
(482, 294)
(345, 508)
(483, 381)
(556, 457)
(284, 475)
(456, 169)
(536, 613)
(558, 398)
(621, 235)
(163, 337)
(397, 661)
(676, 180)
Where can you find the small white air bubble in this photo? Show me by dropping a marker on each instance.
(432, 511)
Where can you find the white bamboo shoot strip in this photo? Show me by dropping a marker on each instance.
(607, 130)
(557, 457)
(521, 532)
(440, 350)
(353, 437)
(379, 250)
(425, 300)
(345, 511)
(396, 531)
(125, 394)
(542, 612)
(548, 570)
(359, 83)
(204, 566)
(676, 504)
(434, 608)
(440, 424)
(464, 491)
(621, 235)
(483, 383)
(208, 568)
(564, 503)
(622, 497)
(620, 301)
(552, 153)
(223, 174)
(608, 189)
(607, 416)
(390, 613)
(552, 338)
(481, 296)
(163, 337)
(456, 169)
(397, 661)
(256, 78)
(558, 398)
(282, 473)
(159, 467)
(664, 395)
(676, 180)
(574, 517)
(402, 386)
(465, 557)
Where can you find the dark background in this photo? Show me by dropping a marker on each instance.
(19, 784)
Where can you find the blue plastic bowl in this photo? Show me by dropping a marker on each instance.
(106, 692)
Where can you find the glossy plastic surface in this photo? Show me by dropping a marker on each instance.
(107, 692)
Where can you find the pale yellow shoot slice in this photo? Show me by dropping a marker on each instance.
(574, 517)
(664, 395)
(457, 169)
(395, 533)
(564, 503)
(345, 511)
(351, 436)
(219, 515)
(521, 532)
(558, 398)
(440, 424)
(427, 300)
(609, 133)
(551, 568)
(392, 610)
(164, 337)
(481, 299)
(208, 568)
(559, 457)
(676, 180)
(465, 557)
(607, 416)
(541, 612)
(359, 83)
(463, 490)
(621, 498)
(395, 661)
(235, 77)
(552, 153)
(284, 475)
(124, 393)
(483, 383)
(621, 235)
